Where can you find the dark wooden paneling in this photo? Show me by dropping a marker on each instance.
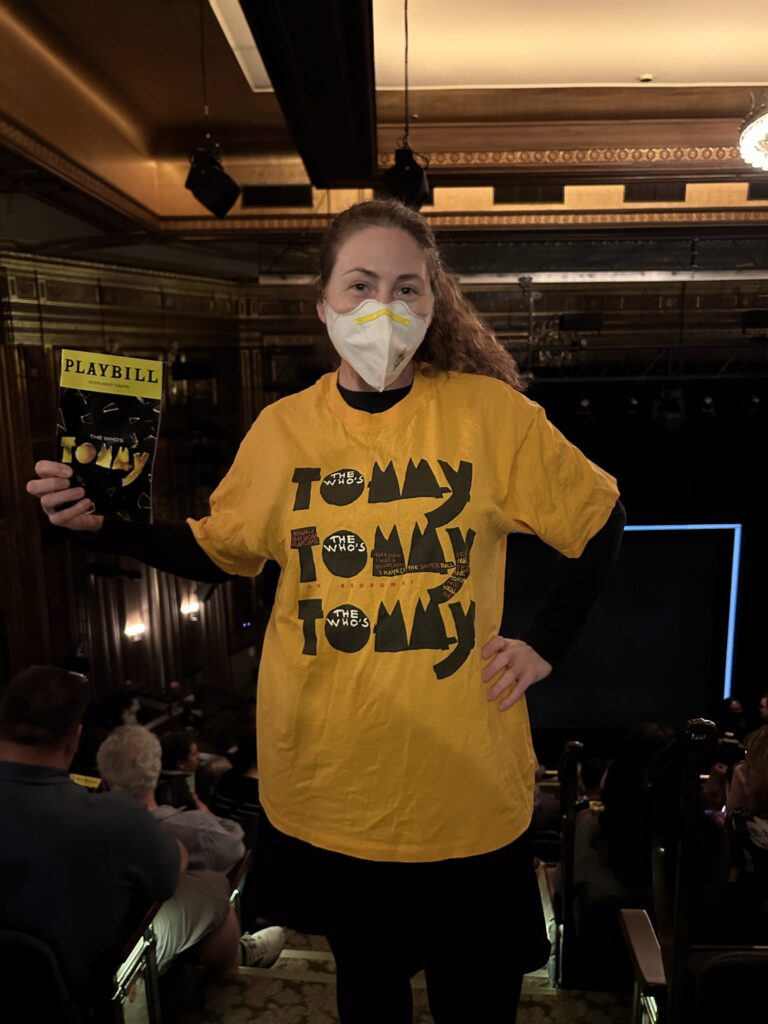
(50, 601)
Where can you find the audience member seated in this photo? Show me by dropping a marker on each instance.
(762, 710)
(121, 707)
(747, 820)
(180, 761)
(191, 714)
(180, 753)
(612, 858)
(208, 776)
(77, 870)
(237, 794)
(129, 762)
(731, 865)
(733, 721)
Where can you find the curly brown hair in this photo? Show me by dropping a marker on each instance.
(457, 338)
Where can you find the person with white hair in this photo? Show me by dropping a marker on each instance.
(129, 762)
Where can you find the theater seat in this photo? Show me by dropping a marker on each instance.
(32, 987)
(237, 876)
(31, 984)
(679, 979)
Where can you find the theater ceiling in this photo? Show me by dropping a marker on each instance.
(566, 120)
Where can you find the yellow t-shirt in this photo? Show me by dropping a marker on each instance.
(375, 735)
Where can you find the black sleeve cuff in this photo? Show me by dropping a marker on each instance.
(170, 547)
(555, 627)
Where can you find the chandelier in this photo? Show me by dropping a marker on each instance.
(753, 143)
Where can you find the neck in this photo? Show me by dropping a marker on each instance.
(350, 379)
(148, 799)
(46, 757)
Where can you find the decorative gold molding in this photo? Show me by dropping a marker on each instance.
(43, 155)
(593, 218)
(110, 273)
(601, 218)
(50, 159)
(593, 157)
(237, 224)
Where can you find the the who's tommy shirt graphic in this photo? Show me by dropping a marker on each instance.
(375, 736)
(434, 549)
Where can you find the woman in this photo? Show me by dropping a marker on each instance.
(395, 760)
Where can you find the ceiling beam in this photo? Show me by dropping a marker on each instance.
(319, 57)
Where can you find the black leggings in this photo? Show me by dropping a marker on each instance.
(473, 924)
(466, 983)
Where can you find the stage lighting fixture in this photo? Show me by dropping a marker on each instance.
(209, 183)
(407, 180)
(708, 405)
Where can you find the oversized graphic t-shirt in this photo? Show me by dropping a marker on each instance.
(375, 735)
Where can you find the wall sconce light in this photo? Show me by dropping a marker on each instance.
(135, 630)
(190, 607)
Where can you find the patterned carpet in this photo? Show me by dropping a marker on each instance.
(299, 989)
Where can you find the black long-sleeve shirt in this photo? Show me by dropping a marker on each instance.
(552, 630)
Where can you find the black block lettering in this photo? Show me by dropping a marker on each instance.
(309, 612)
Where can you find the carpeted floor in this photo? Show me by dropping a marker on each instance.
(299, 989)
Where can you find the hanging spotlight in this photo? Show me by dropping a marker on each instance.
(407, 179)
(585, 407)
(634, 406)
(209, 183)
(708, 405)
(753, 143)
(207, 180)
(754, 403)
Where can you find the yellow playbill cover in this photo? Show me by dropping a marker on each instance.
(107, 429)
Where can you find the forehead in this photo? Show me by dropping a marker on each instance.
(386, 251)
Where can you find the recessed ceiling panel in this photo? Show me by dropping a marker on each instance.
(498, 43)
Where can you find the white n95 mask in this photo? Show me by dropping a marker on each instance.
(378, 341)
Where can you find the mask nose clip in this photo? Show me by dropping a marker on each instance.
(378, 340)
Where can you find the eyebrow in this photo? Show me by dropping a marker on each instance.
(371, 273)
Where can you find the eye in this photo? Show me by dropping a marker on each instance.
(358, 286)
(408, 290)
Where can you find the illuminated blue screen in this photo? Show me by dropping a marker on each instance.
(660, 641)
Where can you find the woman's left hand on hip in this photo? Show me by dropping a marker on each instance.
(520, 667)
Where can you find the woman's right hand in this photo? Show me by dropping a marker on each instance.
(53, 488)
